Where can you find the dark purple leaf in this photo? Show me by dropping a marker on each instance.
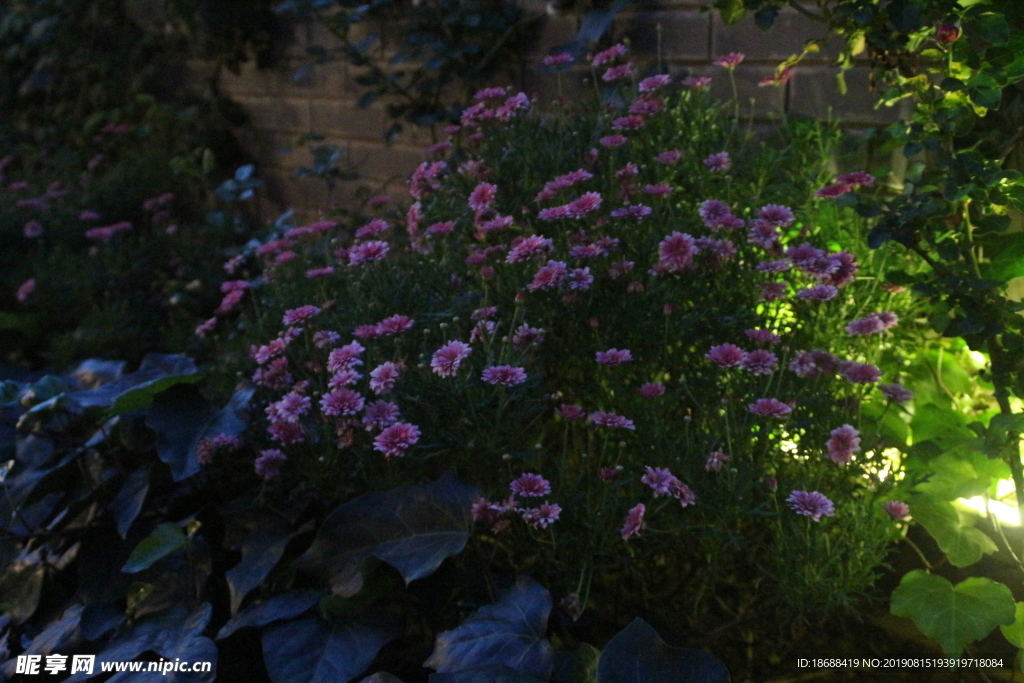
(637, 654)
(311, 651)
(261, 550)
(283, 606)
(126, 505)
(508, 633)
(182, 418)
(412, 528)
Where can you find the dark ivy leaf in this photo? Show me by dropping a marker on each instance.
(412, 528)
(508, 633)
(171, 634)
(182, 419)
(311, 651)
(765, 17)
(135, 391)
(261, 551)
(52, 637)
(284, 606)
(637, 654)
(126, 505)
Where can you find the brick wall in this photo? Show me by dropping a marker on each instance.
(282, 108)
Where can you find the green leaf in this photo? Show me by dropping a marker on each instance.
(576, 665)
(953, 615)
(308, 650)
(165, 539)
(1015, 631)
(963, 544)
(732, 11)
(993, 28)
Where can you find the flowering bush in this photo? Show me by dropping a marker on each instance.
(629, 330)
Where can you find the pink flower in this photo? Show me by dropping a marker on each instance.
(611, 54)
(442, 228)
(382, 378)
(631, 122)
(446, 360)
(713, 211)
(811, 504)
(683, 493)
(659, 190)
(637, 211)
(726, 355)
(844, 442)
(760, 362)
(395, 440)
(815, 363)
(651, 389)
(366, 332)
(205, 328)
(730, 61)
(583, 205)
(660, 480)
(818, 293)
(373, 227)
(669, 157)
(832, 191)
(777, 214)
(617, 73)
(395, 325)
(287, 433)
(654, 83)
(374, 250)
(268, 465)
(675, 252)
(779, 266)
(526, 336)
(611, 141)
(380, 414)
(549, 276)
(529, 484)
(33, 229)
(543, 516)
(779, 79)
(482, 196)
(490, 93)
(716, 460)
(261, 354)
(297, 316)
(762, 336)
(345, 357)
(505, 375)
(560, 59)
(697, 82)
(773, 291)
(341, 401)
(325, 339)
(718, 162)
(290, 408)
(896, 393)
(897, 510)
(856, 179)
(580, 278)
(527, 248)
(27, 288)
(483, 330)
(569, 411)
(633, 522)
(613, 357)
(343, 378)
(604, 419)
(274, 376)
(770, 407)
(763, 234)
(859, 373)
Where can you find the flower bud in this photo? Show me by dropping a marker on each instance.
(946, 33)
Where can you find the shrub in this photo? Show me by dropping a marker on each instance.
(634, 331)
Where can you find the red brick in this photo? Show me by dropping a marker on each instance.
(813, 91)
(685, 33)
(328, 116)
(277, 114)
(787, 37)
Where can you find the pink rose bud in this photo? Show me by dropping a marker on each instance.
(946, 33)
